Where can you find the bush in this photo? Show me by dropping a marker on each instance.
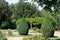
(8, 25)
(47, 29)
(36, 37)
(34, 28)
(56, 38)
(2, 36)
(3, 39)
(10, 33)
(22, 27)
(38, 20)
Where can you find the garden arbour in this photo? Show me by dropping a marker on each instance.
(36, 21)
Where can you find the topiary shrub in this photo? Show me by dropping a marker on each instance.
(22, 27)
(47, 29)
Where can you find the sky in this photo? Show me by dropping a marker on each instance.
(16, 1)
(12, 1)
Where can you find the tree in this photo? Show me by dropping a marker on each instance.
(24, 9)
(58, 18)
(49, 4)
(5, 12)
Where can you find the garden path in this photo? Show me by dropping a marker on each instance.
(57, 33)
(15, 38)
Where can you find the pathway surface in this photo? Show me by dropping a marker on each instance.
(57, 33)
(15, 38)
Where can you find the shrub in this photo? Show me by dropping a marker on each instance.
(10, 33)
(56, 38)
(22, 27)
(2, 36)
(34, 28)
(47, 29)
(36, 37)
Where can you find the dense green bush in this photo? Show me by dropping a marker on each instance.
(8, 25)
(38, 20)
(36, 37)
(47, 29)
(22, 27)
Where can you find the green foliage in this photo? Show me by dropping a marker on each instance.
(8, 25)
(2, 36)
(49, 4)
(3, 39)
(47, 29)
(25, 9)
(35, 20)
(4, 10)
(34, 28)
(56, 38)
(36, 37)
(11, 25)
(10, 33)
(22, 27)
(58, 19)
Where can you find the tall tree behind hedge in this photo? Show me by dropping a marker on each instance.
(25, 9)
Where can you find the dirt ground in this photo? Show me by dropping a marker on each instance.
(57, 33)
(15, 38)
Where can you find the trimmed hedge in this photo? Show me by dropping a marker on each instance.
(47, 28)
(22, 27)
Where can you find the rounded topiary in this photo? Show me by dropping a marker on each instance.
(47, 29)
(22, 27)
